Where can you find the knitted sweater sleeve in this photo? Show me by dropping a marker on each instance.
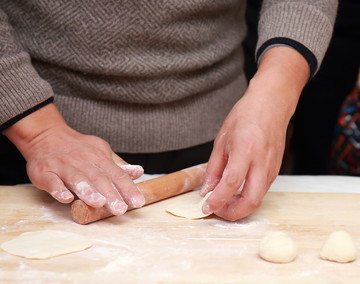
(304, 25)
(22, 91)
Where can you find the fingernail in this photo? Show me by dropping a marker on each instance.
(62, 195)
(138, 201)
(66, 195)
(118, 208)
(206, 208)
(98, 198)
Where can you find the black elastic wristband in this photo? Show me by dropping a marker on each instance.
(25, 113)
(304, 51)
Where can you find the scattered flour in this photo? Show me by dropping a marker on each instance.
(242, 224)
(116, 264)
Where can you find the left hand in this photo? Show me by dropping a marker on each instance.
(249, 147)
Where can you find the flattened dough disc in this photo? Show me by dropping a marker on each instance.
(189, 208)
(45, 244)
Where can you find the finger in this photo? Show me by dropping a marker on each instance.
(231, 181)
(103, 184)
(115, 203)
(250, 198)
(124, 185)
(83, 188)
(134, 171)
(53, 185)
(215, 168)
(117, 159)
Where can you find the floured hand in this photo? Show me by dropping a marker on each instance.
(61, 161)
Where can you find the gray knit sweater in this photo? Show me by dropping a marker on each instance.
(145, 75)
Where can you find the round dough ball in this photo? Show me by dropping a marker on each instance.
(339, 247)
(278, 247)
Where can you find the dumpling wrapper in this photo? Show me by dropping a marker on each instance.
(45, 244)
(190, 207)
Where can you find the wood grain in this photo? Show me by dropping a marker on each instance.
(149, 245)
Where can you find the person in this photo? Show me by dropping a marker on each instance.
(80, 83)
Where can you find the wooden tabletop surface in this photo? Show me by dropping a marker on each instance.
(148, 245)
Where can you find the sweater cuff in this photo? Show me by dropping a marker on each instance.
(307, 28)
(24, 114)
(302, 49)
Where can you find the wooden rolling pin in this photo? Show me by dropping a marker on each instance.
(153, 190)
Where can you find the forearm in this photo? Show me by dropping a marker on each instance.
(281, 76)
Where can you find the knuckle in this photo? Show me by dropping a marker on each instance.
(230, 215)
(98, 142)
(249, 146)
(38, 165)
(233, 217)
(233, 214)
(98, 177)
(254, 203)
(119, 175)
(232, 179)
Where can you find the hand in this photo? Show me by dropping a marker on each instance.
(61, 160)
(249, 147)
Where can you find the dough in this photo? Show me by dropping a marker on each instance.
(339, 247)
(45, 244)
(278, 247)
(189, 208)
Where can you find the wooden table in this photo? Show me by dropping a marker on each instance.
(149, 245)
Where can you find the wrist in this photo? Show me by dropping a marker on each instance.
(284, 65)
(29, 130)
(281, 76)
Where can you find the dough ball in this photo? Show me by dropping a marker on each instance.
(339, 247)
(278, 247)
(45, 244)
(190, 208)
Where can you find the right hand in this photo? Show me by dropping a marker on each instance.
(61, 160)
(249, 147)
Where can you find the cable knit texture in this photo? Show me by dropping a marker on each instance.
(147, 76)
